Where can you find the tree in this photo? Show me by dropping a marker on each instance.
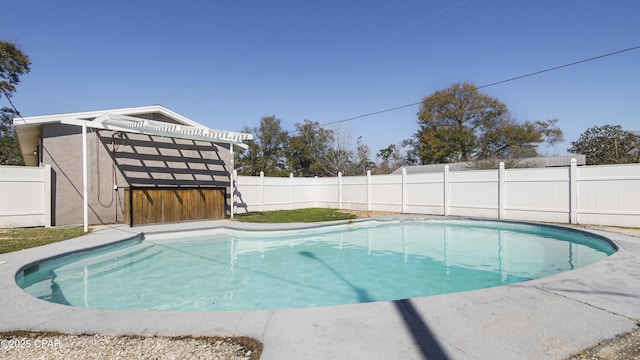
(267, 150)
(313, 152)
(607, 144)
(451, 120)
(362, 161)
(339, 157)
(462, 124)
(343, 158)
(13, 64)
(9, 148)
(307, 149)
(510, 140)
(391, 159)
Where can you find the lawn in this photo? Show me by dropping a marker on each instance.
(299, 215)
(18, 239)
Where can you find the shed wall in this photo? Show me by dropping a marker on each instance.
(124, 160)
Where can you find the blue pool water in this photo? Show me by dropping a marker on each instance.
(368, 261)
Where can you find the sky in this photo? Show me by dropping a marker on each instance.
(227, 64)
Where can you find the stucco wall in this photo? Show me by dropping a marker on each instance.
(139, 160)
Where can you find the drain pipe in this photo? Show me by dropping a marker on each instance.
(231, 182)
(85, 190)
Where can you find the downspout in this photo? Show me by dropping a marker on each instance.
(233, 192)
(85, 190)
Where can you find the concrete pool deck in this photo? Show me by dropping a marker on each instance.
(548, 318)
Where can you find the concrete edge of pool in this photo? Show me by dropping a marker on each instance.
(552, 317)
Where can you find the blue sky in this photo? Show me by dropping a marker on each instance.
(226, 64)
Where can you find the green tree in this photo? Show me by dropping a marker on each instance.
(607, 144)
(267, 150)
(247, 162)
(9, 148)
(451, 120)
(362, 161)
(510, 140)
(13, 64)
(307, 149)
(462, 124)
(391, 159)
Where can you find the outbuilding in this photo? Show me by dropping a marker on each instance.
(132, 165)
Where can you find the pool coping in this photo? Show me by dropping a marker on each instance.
(548, 318)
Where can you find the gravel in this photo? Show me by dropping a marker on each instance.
(48, 346)
(622, 347)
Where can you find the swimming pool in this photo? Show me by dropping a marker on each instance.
(224, 269)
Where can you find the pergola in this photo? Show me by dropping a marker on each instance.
(29, 130)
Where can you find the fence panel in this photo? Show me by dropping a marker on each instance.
(248, 194)
(473, 193)
(327, 192)
(425, 193)
(25, 196)
(354, 192)
(386, 193)
(537, 194)
(304, 193)
(609, 195)
(600, 195)
(278, 193)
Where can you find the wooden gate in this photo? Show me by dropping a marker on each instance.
(167, 205)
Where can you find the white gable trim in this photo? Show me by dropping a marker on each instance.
(88, 115)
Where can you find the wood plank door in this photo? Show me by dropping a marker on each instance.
(169, 205)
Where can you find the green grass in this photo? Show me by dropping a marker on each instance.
(18, 239)
(299, 215)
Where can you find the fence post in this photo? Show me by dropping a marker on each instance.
(501, 190)
(339, 190)
(446, 190)
(234, 186)
(573, 190)
(404, 190)
(315, 191)
(85, 178)
(47, 196)
(261, 190)
(291, 189)
(368, 190)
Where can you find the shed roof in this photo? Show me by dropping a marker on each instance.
(131, 120)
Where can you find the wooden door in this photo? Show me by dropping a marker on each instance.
(168, 205)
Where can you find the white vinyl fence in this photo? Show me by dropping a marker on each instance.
(25, 196)
(596, 195)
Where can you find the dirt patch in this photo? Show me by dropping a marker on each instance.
(367, 213)
(622, 347)
(622, 230)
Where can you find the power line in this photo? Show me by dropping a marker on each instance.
(248, 51)
(272, 65)
(490, 84)
(385, 37)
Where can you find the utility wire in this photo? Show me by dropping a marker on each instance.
(385, 37)
(307, 48)
(489, 85)
(248, 51)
